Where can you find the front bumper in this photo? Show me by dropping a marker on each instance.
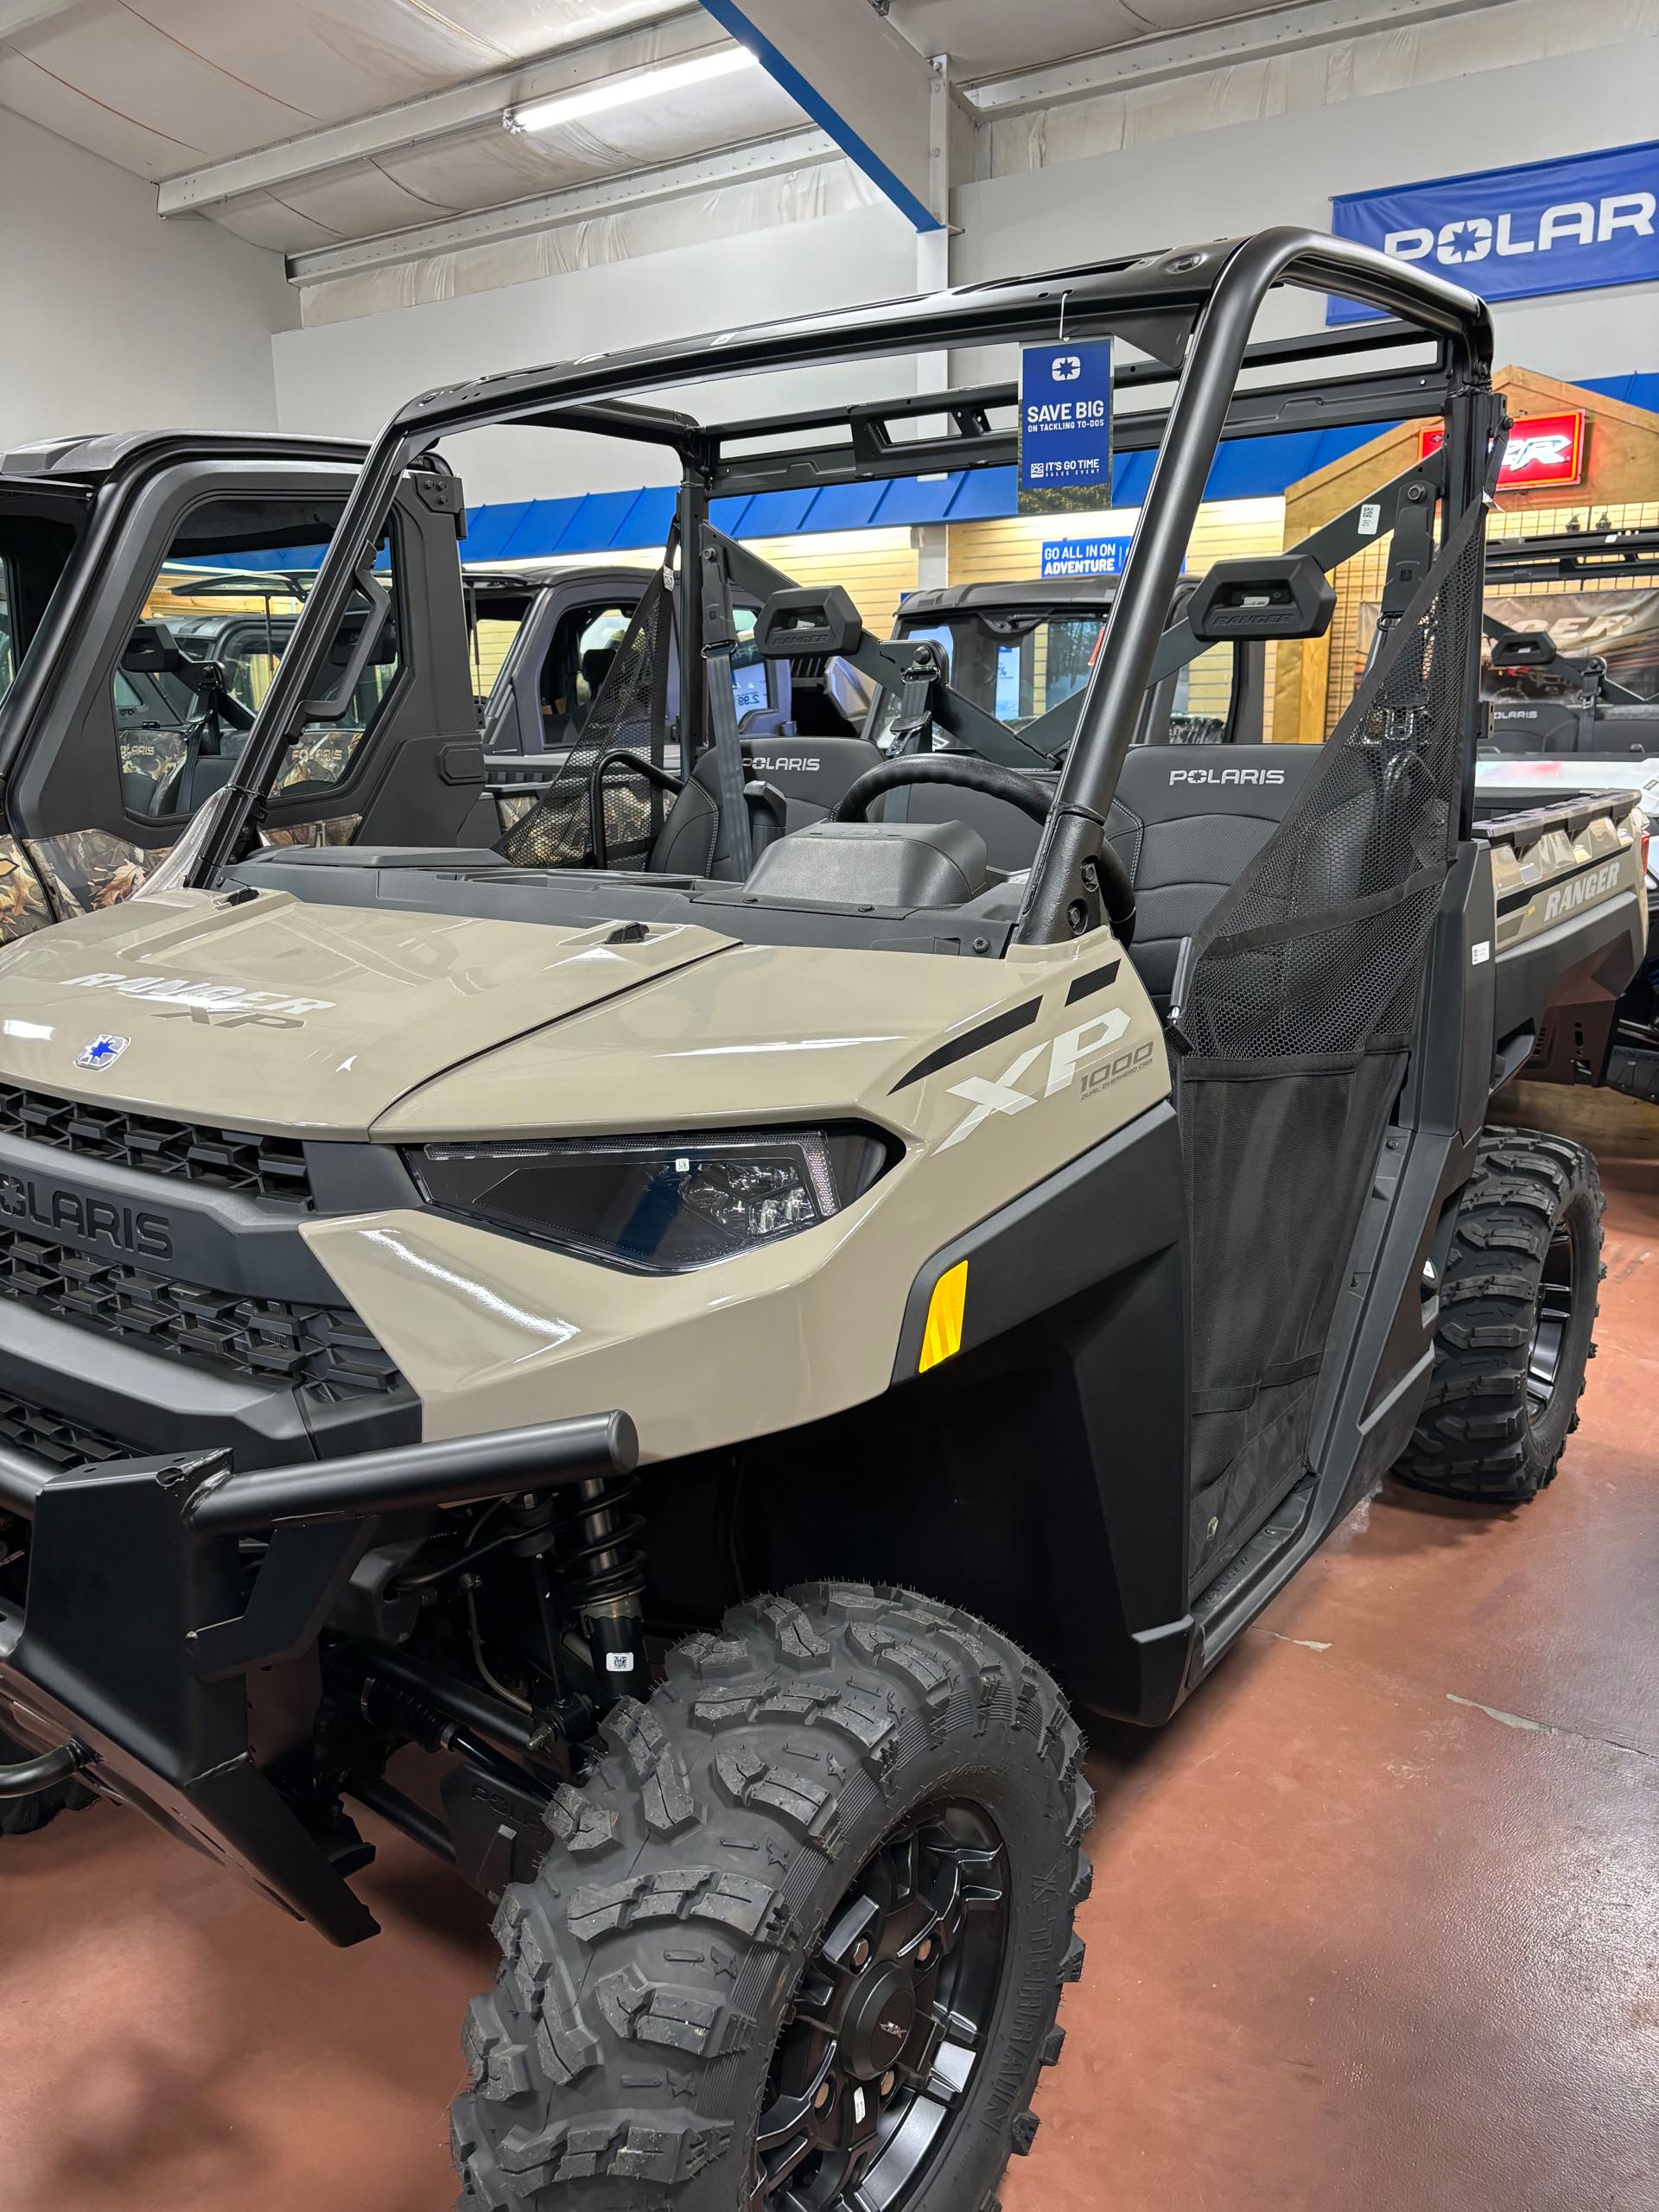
(140, 1628)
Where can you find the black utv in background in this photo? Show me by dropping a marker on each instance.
(1570, 682)
(148, 585)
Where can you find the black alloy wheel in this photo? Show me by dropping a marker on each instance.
(1558, 1288)
(1515, 1322)
(889, 2021)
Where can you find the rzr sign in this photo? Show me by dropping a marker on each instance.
(1550, 226)
(1543, 449)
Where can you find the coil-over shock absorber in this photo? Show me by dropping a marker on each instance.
(602, 1574)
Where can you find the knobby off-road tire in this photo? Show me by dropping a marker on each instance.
(1518, 1305)
(23, 1815)
(734, 1874)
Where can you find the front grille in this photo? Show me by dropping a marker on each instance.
(232, 1160)
(53, 1438)
(325, 1351)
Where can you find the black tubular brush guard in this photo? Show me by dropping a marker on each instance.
(140, 1628)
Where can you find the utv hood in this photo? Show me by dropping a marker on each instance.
(268, 1014)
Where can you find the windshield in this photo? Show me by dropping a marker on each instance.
(1014, 664)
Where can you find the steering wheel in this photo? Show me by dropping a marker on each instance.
(1117, 893)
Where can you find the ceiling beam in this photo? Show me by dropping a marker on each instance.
(838, 62)
(671, 37)
(546, 211)
(1214, 46)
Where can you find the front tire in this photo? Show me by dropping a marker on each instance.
(1518, 1304)
(800, 1939)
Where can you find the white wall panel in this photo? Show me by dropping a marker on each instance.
(115, 321)
(1234, 151)
(348, 377)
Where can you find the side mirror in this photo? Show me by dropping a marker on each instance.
(807, 619)
(1280, 595)
(1522, 649)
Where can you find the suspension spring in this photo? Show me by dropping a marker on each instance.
(602, 1573)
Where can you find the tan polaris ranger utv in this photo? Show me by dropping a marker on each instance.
(648, 1254)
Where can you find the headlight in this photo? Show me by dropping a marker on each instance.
(663, 1204)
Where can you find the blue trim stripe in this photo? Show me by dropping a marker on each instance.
(807, 97)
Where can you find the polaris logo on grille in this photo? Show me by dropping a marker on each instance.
(1568, 897)
(88, 1221)
(1226, 776)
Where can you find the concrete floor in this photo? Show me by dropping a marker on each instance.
(1375, 1925)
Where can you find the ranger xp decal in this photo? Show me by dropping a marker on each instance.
(1067, 1053)
(200, 998)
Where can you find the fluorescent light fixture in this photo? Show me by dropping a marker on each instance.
(626, 90)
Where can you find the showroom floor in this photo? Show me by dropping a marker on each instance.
(1375, 1925)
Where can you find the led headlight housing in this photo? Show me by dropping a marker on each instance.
(661, 1204)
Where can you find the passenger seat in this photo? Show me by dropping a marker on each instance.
(1186, 822)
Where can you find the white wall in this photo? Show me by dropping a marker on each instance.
(115, 321)
(1284, 168)
(347, 377)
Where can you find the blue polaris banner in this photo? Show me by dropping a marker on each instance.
(1066, 427)
(1568, 225)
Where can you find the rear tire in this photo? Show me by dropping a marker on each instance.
(850, 1813)
(23, 1815)
(1518, 1305)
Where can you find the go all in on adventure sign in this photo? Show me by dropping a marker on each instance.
(1066, 427)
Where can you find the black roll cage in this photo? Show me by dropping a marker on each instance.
(1190, 311)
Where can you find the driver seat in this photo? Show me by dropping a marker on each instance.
(813, 774)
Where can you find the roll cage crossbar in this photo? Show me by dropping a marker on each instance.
(1191, 311)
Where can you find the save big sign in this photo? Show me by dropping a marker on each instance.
(1542, 449)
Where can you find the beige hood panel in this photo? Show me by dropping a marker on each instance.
(275, 1015)
(764, 1030)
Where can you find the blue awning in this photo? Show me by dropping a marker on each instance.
(595, 522)
(602, 522)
